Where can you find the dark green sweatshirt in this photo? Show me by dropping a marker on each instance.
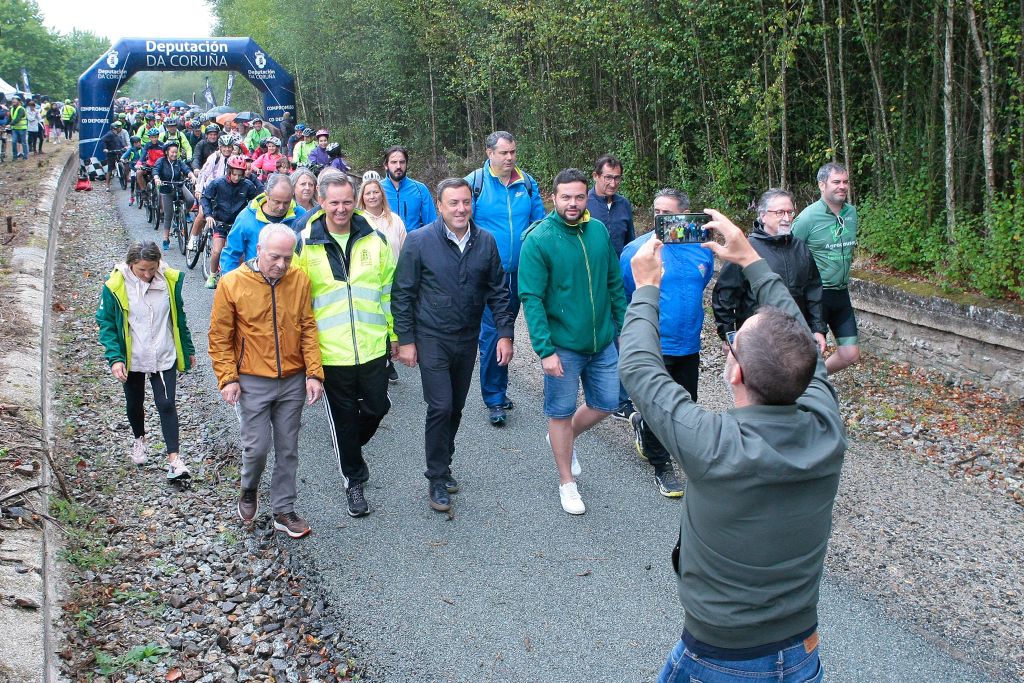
(570, 285)
(761, 484)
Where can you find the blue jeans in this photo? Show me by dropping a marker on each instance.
(792, 665)
(494, 377)
(20, 137)
(600, 375)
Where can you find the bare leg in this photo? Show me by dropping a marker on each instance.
(844, 357)
(563, 434)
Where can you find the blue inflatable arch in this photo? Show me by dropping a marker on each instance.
(98, 86)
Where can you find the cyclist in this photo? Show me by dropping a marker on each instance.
(336, 155)
(114, 146)
(266, 164)
(215, 167)
(295, 138)
(131, 157)
(257, 134)
(149, 123)
(223, 199)
(206, 146)
(168, 170)
(318, 155)
(194, 135)
(152, 152)
(300, 157)
(171, 126)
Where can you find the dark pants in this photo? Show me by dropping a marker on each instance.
(357, 401)
(163, 393)
(685, 370)
(69, 129)
(446, 370)
(35, 140)
(494, 377)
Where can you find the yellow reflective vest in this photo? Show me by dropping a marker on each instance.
(351, 289)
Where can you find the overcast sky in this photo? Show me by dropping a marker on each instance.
(189, 18)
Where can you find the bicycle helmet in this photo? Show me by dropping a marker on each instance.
(172, 121)
(371, 175)
(273, 140)
(299, 127)
(135, 138)
(225, 140)
(153, 133)
(237, 161)
(333, 150)
(116, 124)
(323, 131)
(213, 128)
(308, 132)
(150, 116)
(171, 143)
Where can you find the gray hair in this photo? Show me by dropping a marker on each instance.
(681, 198)
(770, 194)
(492, 140)
(299, 174)
(828, 169)
(450, 184)
(272, 229)
(276, 179)
(332, 178)
(143, 251)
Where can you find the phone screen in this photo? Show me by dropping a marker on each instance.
(682, 228)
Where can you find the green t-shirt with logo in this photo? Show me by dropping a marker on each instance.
(831, 240)
(342, 240)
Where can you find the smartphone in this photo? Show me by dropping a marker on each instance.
(682, 228)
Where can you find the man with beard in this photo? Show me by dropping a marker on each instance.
(409, 198)
(829, 228)
(276, 205)
(571, 288)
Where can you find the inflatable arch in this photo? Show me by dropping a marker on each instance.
(98, 86)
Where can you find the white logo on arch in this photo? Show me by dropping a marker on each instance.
(112, 59)
(261, 59)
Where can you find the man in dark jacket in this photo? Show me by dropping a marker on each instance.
(732, 299)
(222, 201)
(206, 146)
(762, 478)
(448, 271)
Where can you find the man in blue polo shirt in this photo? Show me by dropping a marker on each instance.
(409, 198)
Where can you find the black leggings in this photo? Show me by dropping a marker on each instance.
(163, 393)
(35, 140)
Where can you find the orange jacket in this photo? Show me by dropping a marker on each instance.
(263, 330)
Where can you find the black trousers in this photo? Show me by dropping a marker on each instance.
(685, 370)
(357, 401)
(163, 384)
(446, 370)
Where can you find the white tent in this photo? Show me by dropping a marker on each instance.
(6, 88)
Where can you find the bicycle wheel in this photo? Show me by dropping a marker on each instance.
(192, 255)
(150, 209)
(207, 252)
(122, 176)
(179, 226)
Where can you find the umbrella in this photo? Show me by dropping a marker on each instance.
(220, 110)
(179, 103)
(223, 119)
(246, 116)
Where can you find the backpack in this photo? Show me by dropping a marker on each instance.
(478, 184)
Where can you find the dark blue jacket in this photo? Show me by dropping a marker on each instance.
(440, 292)
(618, 219)
(224, 200)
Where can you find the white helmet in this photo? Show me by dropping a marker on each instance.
(371, 175)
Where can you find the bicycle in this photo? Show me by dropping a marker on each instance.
(179, 215)
(122, 174)
(3, 143)
(208, 249)
(204, 245)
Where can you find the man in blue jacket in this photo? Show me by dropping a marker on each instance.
(688, 270)
(276, 205)
(506, 201)
(409, 198)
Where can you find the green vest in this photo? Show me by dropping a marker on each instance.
(19, 123)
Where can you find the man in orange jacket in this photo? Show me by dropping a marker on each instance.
(266, 365)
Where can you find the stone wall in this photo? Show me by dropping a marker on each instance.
(981, 345)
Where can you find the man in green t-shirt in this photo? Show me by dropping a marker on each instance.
(829, 228)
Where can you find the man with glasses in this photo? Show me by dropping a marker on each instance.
(829, 228)
(732, 299)
(688, 270)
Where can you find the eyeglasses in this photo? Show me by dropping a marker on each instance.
(730, 338)
(611, 178)
(781, 213)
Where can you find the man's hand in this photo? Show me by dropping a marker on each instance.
(504, 351)
(394, 350)
(647, 265)
(820, 339)
(407, 355)
(210, 222)
(314, 390)
(552, 365)
(231, 393)
(119, 371)
(157, 182)
(191, 361)
(736, 248)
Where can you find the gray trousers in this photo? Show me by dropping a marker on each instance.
(270, 411)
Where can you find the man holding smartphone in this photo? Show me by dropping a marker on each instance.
(688, 270)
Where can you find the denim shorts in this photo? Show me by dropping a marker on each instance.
(600, 374)
(792, 665)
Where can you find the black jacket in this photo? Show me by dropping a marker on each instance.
(732, 300)
(201, 151)
(223, 200)
(440, 292)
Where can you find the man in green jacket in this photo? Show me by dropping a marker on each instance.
(570, 285)
(762, 478)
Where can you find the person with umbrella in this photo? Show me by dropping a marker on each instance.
(258, 134)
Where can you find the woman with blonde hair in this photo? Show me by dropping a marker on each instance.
(304, 184)
(375, 208)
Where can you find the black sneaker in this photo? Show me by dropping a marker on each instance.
(508, 404)
(451, 484)
(439, 498)
(668, 483)
(357, 506)
(248, 504)
(498, 416)
(392, 373)
(636, 421)
(625, 410)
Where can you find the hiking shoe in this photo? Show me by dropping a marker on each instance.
(508, 404)
(574, 468)
(357, 506)
(392, 374)
(248, 504)
(211, 282)
(166, 245)
(625, 410)
(668, 483)
(139, 454)
(439, 499)
(131, 201)
(570, 497)
(177, 469)
(636, 421)
(450, 484)
(193, 243)
(291, 524)
(497, 416)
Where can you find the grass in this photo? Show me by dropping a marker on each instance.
(140, 655)
(86, 546)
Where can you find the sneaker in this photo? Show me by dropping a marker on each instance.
(108, 188)
(571, 501)
(357, 506)
(574, 468)
(291, 524)
(177, 469)
(508, 404)
(668, 483)
(636, 421)
(193, 243)
(451, 484)
(497, 416)
(248, 505)
(392, 374)
(211, 282)
(166, 245)
(139, 454)
(439, 499)
(625, 410)
(131, 201)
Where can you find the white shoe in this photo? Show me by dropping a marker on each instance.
(575, 468)
(571, 501)
(193, 243)
(138, 453)
(176, 469)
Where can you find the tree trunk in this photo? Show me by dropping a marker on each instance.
(880, 99)
(433, 108)
(840, 23)
(987, 113)
(470, 137)
(947, 117)
(784, 125)
(829, 106)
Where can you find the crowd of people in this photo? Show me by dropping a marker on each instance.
(326, 279)
(28, 122)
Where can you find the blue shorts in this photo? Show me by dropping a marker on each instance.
(600, 374)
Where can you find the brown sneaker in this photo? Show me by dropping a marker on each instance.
(248, 503)
(291, 524)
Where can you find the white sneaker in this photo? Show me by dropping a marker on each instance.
(193, 243)
(571, 501)
(176, 469)
(575, 468)
(138, 453)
